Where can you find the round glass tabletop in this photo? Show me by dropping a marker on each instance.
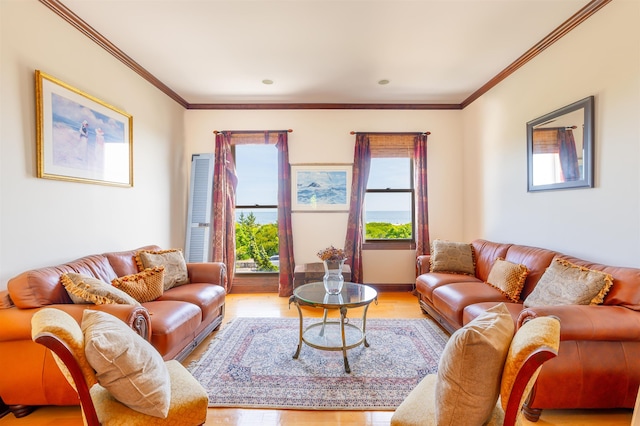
(352, 295)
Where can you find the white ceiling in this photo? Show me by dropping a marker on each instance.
(324, 51)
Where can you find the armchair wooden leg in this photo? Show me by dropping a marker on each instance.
(531, 414)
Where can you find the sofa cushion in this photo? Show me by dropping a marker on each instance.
(470, 368)
(175, 267)
(485, 253)
(508, 277)
(452, 257)
(84, 289)
(565, 283)
(144, 286)
(126, 364)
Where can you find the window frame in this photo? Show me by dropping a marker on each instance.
(258, 207)
(398, 243)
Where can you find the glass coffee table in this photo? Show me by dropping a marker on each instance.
(331, 335)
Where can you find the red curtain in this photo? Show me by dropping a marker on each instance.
(224, 195)
(420, 187)
(285, 236)
(355, 227)
(568, 155)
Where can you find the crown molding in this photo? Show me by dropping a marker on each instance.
(324, 106)
(575, 20)
(65, 13)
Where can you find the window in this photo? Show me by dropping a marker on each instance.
(256, 208)
(389, 200)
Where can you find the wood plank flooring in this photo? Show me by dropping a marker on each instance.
(390, 305)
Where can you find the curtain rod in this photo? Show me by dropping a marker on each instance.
(215, 132)
(390, 133)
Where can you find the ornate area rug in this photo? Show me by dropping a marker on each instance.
(250, 364)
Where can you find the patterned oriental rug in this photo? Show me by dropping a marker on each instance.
(250, 364)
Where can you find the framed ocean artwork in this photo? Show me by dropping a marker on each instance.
(324, 187)
(79, 137)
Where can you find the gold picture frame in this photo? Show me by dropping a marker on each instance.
(81, 138)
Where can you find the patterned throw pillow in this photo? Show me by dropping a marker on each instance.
(144, 286)
(470, 368)
(175, 267)
(508, 277)
(455, 258)
(126, 365)
(564, 283)
(84, 289)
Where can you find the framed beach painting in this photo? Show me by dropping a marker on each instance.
(320, 187)
(79, 137)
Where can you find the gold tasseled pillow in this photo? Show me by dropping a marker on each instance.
(144, 286)
(175, 267)
(452, 257)
(83, 289)
(508, 277)
(564, 283)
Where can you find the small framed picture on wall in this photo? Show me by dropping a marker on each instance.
(324, 187)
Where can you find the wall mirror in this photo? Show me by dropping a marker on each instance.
(560, 148)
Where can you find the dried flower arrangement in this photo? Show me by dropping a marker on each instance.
(332, 254)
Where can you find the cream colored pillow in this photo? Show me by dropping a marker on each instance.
(470, 369)
(564, 283)
(175, 267)
(508, 277)
(144, 286)
(126, 364)
(456, 258)
(85, 289)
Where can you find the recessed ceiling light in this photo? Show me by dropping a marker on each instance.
(267, 81)
(383, 82)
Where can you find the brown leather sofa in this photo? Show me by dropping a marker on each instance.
(175, 323)
(598, 364)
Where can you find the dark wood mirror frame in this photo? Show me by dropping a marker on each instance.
(582, 171)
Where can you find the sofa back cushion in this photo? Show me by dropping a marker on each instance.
(486, 252)
(41, 287)
(124, 262)
(625, 290)
(535, 259)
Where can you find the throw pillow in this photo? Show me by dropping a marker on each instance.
(564, 283)
(85, 289)
(456, 258)
(175, 267)
(144, 286)
(470, 368)
(508, 277)
(126, 364)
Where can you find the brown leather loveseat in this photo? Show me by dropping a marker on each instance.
(175, 323)
(598, 364)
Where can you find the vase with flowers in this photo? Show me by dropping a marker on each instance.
(333, 259)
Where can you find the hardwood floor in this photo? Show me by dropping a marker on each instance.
(390, 305)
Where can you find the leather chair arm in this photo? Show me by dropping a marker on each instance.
(208, 272)
(583, 322)
(423, 263)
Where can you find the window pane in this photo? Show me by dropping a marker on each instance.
(257, 171)
(387, 216)
(390, 173)
(256, 226)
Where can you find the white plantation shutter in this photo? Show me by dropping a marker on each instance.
(198, 239)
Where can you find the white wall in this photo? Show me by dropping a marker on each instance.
(45, 222)
(322, 137)
(601, 57)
